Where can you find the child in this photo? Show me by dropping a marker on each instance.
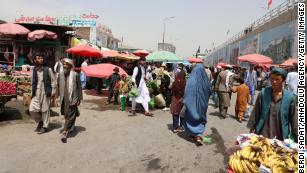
(114, 85)
(243, 97)
(123, 90)
(123, 85)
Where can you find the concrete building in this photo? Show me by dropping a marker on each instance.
(167, 47)
(105, 37)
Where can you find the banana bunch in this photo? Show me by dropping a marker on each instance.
(262, 152)
(239, 164)
(280, 162)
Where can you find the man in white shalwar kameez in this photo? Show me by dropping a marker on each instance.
(139, 79)
(43, 88)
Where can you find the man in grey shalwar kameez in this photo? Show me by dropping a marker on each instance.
(70, 92)
(43, 88)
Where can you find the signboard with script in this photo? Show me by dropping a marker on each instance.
(83, 23)
(42, 20)
(58, 20)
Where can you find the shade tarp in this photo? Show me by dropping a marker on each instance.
(101, 70)
(125, 56)
(13, 29)
(85, 51)
(40, 34)
(255, 59)
(110, 53)
(163, 56)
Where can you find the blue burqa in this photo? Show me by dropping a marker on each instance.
(196, 98)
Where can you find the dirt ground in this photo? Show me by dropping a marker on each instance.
(110, 141)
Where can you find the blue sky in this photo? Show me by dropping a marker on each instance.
(140, 22)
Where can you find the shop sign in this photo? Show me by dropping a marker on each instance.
(60, 20)
(83, 23)
(29, 19)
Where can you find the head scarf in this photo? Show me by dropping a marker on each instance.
(196, 98)
(179, 84)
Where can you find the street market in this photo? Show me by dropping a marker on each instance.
(73, 98)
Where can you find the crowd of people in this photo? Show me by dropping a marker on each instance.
(183, 90)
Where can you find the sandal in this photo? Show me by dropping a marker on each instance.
(64, 137)
(149, 114)
(199, 140)
(132, 112)
(240, 120)
(175, 130)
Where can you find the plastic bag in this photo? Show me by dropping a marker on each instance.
(134, 92)
(151, 103)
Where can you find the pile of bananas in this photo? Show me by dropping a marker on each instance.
(262, 152)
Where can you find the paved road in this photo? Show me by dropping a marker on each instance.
(110, 141)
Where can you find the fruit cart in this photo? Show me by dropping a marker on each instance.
(7, 92)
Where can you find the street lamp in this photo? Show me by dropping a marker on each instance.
(164, 20)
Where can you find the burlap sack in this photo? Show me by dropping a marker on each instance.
(160, 102)
(26, 99)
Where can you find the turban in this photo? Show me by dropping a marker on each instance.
(69, 61)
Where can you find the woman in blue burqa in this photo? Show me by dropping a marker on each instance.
(196, 98)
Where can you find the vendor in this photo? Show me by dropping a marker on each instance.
(275, 114)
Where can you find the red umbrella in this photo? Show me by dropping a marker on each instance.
(85, 50)
(13, 29)
(141, 53)
(39, 34)
(289, 62)
(195, 60)
(255, 59)
(101, 70)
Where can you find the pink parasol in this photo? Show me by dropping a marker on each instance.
(289, 62)
(39, 34)
(13, 29)
(101, 70)
(195, 60)
(141, 53)
(223, 65)
(85, 50)
(255, 59)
